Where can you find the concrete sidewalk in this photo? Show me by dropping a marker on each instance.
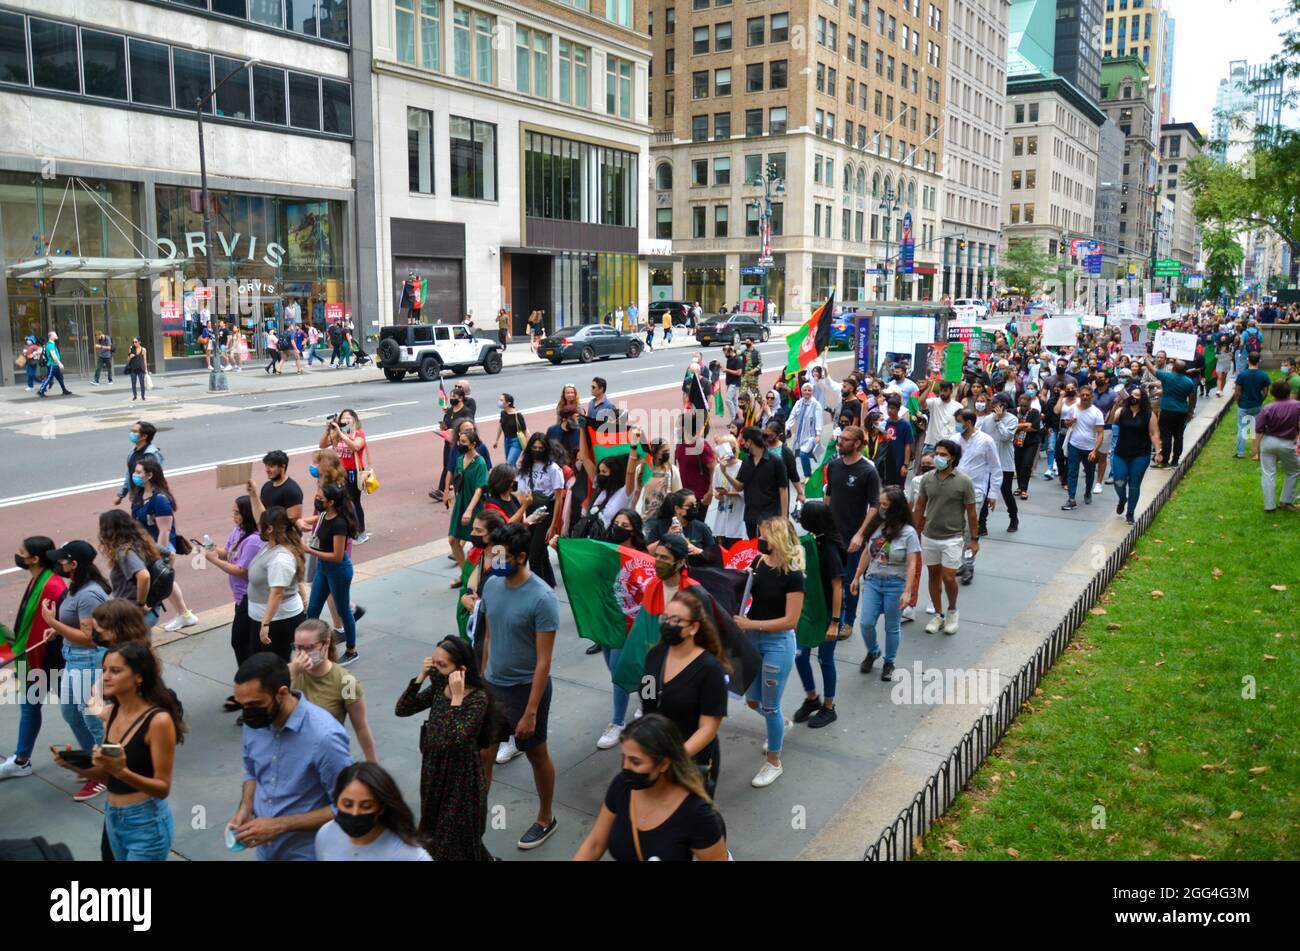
(825, 805)
(191, 385)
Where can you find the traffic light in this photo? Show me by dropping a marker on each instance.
(961, 244)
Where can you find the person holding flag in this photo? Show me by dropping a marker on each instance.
(810, 340)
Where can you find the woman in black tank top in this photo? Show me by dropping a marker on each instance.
(145, 722)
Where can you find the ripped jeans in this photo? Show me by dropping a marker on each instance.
(776, 648)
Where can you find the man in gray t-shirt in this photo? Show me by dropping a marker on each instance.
(945, 502)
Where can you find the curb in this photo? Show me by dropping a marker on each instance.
(923, 775)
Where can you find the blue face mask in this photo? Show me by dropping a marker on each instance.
(503, 567)
(133, 436)
(314, 472)
(137, 481)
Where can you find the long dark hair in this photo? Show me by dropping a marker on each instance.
(637, 540)
(661, 740)
(816, 517)
(501, 480)
(153, 471)
(39, 546)
(278, 529)
(707, 636)
(462, 655)
(247, 522)
(120, 533)
(339, 497)
(546, 454)
(140, 658)
(394, 814)
(899, 516)
(86, 571)
(668, 507)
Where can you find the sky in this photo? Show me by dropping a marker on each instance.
(1210, 34)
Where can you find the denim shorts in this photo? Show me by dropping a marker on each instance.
(141, 832)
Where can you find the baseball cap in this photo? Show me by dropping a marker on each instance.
(79, 551)
(676, 544)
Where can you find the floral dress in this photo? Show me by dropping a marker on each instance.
(453, 789)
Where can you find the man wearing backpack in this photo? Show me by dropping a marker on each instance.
(335, 334)
(1252, 341)
(51, 359)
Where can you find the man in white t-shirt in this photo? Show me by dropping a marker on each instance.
(1083, 444)
(981, 463)
(941, 411)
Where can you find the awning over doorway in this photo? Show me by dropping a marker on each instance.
(54, 266)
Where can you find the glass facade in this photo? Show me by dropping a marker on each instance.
(574, 181)
(751, 285)
(587, 285)
(269, 250)
(706, 282)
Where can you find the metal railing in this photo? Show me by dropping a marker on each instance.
(898, 841)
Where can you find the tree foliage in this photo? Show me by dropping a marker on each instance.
(1223, 256)
(1026, 266)
(1261, 192)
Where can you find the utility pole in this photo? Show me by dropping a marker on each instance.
(889, 205)
(771, 185)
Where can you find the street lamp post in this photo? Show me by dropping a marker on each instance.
(771, 184)
(889, 205)
(217, 376)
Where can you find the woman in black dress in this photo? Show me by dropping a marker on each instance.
(453, 788)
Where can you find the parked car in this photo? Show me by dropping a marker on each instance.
(681, 311)
(842, 330)
(981, 307)
(589, 342)
(731, 328)
(424, 349)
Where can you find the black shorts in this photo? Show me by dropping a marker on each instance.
(512, 701)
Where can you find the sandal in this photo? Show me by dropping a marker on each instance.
(231, 705)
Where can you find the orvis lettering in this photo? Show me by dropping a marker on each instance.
(94, 905)
(196, 245)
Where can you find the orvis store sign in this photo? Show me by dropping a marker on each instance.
(232, 246)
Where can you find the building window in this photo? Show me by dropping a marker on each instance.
(722, 82)
(846, 224)
(1033, 112)
(473, 159)
(722, 37)
(670, 99)
(1015, 180)
(722, 125)
(1031, 179)
(1018, 146)
(419, 33)
(54, 57)
(664, 224)
(780, 27)
(754, 77)
(664, 177)
(619, 11)
(1029, 212)
(720, 220)
(574, 181)
(670, 61)
(776, 120)
(1031, 145)
(753, 168)
(1015, 215)
(751, 221)
(532, 62)
(697, 221)
(699, 128)
(700, 41)
(778, 216)
(472, 39)
(777, 161)
(670, 21)
(419, 150)
(754, 31)
(699, 173)
(618, 87)
(304, 95)
(700, 84)
(753, 122)
(575, 82)
(269, 103)
(778, 74)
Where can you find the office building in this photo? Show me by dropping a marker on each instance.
(1180, 142)
(1127, 100)
(1057, 37)
(1110, 188)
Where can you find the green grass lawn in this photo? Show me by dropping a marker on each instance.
(1170, 727)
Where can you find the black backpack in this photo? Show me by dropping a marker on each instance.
(162, 578)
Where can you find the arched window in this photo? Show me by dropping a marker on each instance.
(862, 179)
(889, 187)
(664, 177)
(911, 194)
(848, 177)
(875, 185)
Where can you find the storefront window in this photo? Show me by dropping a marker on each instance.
(708, 285)
(587, 285)
(751, 285)
(823, 280)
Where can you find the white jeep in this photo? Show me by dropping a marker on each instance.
(425, 349)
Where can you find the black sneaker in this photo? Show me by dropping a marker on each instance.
(537, 834)
(1130, 520)
(824, 717)
(358, 612)
(1014, 526)
(349, 657)
(868, 662)
(984, 530)
(1069, 506)
(593, 649)
(887, 672)
(1119, 509)
(807, 709)
(1087, 498)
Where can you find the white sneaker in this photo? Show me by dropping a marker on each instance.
(507, 751)
(767, 775)
(361, 539)
(929, 609)
(188, 619)
(609, 739)
(788, 725)
(935, 625)
(11, 769)
(950, 625)
(909, 614)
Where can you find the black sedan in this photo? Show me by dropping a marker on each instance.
(589, 342)
(731, 329)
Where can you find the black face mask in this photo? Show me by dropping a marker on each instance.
(478, 541)
(356, 826)
(21, 563)
(259, 718)
(670, 631)
(618, 534)
(637, 780)
(689, 512)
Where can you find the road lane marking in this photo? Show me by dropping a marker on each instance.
(657, 366)
(314, 399)
(301, 450)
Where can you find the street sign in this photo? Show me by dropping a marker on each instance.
(907, 251)
(752, 271)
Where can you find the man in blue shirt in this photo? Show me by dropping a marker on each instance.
(293, 753)
(1251, 389)
(1177, 403)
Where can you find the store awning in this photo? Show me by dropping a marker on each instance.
(44, 268)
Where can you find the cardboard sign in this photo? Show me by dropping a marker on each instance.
(1122, 309)
(232, 475)
(1177, 346)
(975, 339)
(1060, 331)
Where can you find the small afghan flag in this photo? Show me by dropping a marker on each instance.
(620, 442)
(718, 408)
(442, 395)
(605, 585)
(810, 340)
(815, 487)
(811, 631)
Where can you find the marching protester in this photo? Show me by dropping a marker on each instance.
(156, 511)
(1002, 427)
(818, 520)
(1277, 428)
(135, 763)
(1139, 432)
(142, 444)
(946, 514)
(762, 480)
(1028, 439)
(372, 822)
(345, 436)
(453, 785)
(275, 607)
(892, 565)
(314, 672)
(804, 426)
(1177, 403)
(242, 546)
(469, 480)
(512, 428)
(130, 553)
(1250, 390)
(541, 484)
(278, 489)
(1086, 429)
(727, 514)
(333, 575)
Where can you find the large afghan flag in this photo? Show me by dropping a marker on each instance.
(815, 487)
(810, 340)
(605, 585)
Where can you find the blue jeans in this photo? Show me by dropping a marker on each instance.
(1075, 456)
(777, 651)
(825, 660)
(81, 670)
(880, 594)
(807, 463)
(512, 450)
(29, 715)
(313, 356)
(1051, 451)
(54, 374)
(1128, 475)
(31, 373)
(1243, 415)
(141, 832)
(334, 578)
(612, 655)
(849, 600)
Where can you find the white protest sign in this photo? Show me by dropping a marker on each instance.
(1121, 309)
(1158, 312)
(1060, 331)
(1095, 321)
(1177, 346)
(1155, 298)
(1133, 336)
(967, 315)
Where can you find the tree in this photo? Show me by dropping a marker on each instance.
(1223, 256)
(1026, 267)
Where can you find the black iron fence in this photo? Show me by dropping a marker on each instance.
(898, 841)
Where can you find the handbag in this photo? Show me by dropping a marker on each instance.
(148, 380)
(366, 478)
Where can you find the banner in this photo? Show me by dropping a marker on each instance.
(945, 361)
(1175, 345)
(976, 339)
(1134, 335)
(1157, 312)
(1060, 331)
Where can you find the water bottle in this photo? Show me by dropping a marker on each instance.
(208, 543)
(676, 526)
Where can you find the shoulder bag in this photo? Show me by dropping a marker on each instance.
(366, 478)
